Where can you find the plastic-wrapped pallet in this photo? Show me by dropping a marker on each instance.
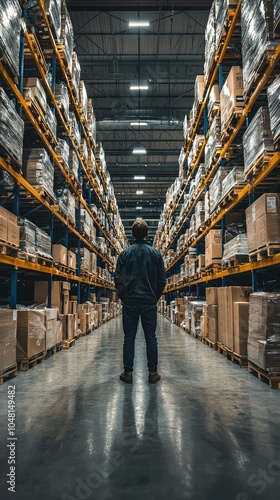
(85, 222)
(27, 242)
(234, 178)
(83, 98)
(74, 128)
(215, 189)
(196, 311)
(264, 330)
(207, 205)
(53, 9)
(38, 169)
(11, 127)
(192, 225)
(276, 16)
(76, 72)
(85, 259)
(199, 214)
(91, 120)
(210, 41)
(74, 163)
(257, 140)
(51, 121)
(6, 180)
(213, 144)
(10, 32)
(198, 90)
(186, 128)
(62, 150)
(238, 246)
(100, 242)
(273, 93)
(100, 155)
(256, 36)
(196, 147)
(213, 101)
(66, 202)
(67, 35)
(200, 175)
(43, 244)
(62, 98)
(231, 97)
(221, 10)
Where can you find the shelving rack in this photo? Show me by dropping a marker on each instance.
(222, 60)
(43, 205)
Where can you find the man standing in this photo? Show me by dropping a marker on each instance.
(140, 280)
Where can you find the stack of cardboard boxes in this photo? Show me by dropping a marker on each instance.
(231, 97)
(226, 317)
(64, 257)
(213, 248)
(263, 222)
(9, 228)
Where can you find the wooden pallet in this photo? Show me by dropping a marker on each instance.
(232, 121)
(9, 66)
(235, 261)
(264, 252)
(272, 378)
(259, 72)
(36, 110)
(222, 349)
(10, 157)
(7, 248)
(259, 164)
(44, 261)
(209, 342)
(212, 269)
(66, 344)
(10, 372)
(231, 195)
(241, 360)
(30, 257)
(41, 190)
(26, 363)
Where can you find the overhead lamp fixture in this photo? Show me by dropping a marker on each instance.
(138, 24)
(139, 124)
(138, 87)
(139, 151)
(139, 192)
(139, 177)
(139, 208)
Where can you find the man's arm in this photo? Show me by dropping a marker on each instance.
(118, 278)
(161, 278)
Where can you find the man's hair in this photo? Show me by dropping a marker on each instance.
(139, 229)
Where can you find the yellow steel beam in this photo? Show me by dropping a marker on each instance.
(18, 263)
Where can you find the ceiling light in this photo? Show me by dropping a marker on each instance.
(141, 124)
(138, 87)
(139, 192)
(139, 208)
(139, 177)
(136, 24)
(139, 151)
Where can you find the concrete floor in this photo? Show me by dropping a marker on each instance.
(208, 430)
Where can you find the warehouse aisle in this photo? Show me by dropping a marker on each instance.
(208, 430)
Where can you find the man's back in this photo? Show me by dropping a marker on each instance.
(140, 276)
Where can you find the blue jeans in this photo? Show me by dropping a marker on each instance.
(148, 314)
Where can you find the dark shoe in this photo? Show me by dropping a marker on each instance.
(154, 377)
(126, 377)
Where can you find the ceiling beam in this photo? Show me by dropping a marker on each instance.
(133, 6)
(147, 33)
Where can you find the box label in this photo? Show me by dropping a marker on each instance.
(271, 204)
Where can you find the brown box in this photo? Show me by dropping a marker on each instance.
(41, 293)
(263, 221)
(206, 319)
(221, 315)
(213, 254)
(13, 232)
(71, 260)
(212, 322)
(240, 327)
(30, 333)
(65, 285)
(180, 301)
(8, 332)
(3, 229)
(59, 253)
(214, 237)
(82, 317)
(69, 326)
(9, 227)
(211, 295)
(59, 336)
(232, 294)
(231, 95)
(65, 302)
(93, 297)
(201, 263)
(51, 319)
(73, 307)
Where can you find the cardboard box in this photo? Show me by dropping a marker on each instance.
(231, 95)
(51, 319)
(82, 318)
(69, 326)
(240, 327)
(9, 228)
(30, 333)
(71, 260)
(213, 254)
(59, 253)
(213, 323)
(263, 221)
(214, 237)
(93, 297)
(221, 316)
(201, 263)
(73, 307)
(65, 302)
(59, 333)
(232, 294)
(8, 332)
(3, 229)
(211, 295)
(13, 233)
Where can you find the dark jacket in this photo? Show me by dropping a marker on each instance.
(140, 275)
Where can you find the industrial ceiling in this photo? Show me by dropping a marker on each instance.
(164, 56)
